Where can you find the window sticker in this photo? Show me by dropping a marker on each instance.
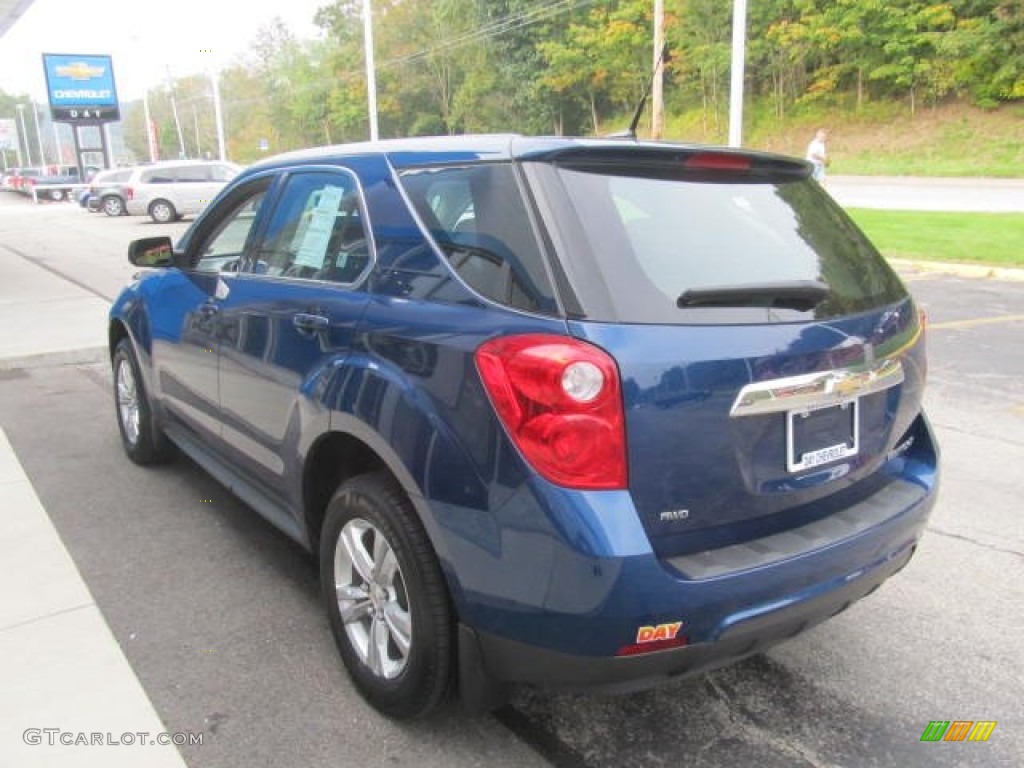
(318, 229)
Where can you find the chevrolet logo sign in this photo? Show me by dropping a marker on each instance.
(79, 70)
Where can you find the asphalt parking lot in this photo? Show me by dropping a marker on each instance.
(218, 613)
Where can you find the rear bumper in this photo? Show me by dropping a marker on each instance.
(575, 596)
(509, 661)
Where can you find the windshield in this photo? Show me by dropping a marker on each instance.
(658, 238)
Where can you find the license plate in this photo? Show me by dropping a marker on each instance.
(817, 436)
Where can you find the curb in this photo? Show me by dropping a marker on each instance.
(975, 271)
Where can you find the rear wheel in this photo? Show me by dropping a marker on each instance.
(386, 598)
(162, 212)
(142, 439)
(113, 205)
(57, 195)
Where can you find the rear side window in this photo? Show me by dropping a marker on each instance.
(478, 217)
(157, 176)
(193, 173)
(656, 236)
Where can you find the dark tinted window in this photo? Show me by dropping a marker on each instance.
(656, 236)
(157, 176)
(478, 217)
(317, 230)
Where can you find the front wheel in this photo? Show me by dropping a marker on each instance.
(57, 195)
(162, 212)
(142, 439)
(386, 598)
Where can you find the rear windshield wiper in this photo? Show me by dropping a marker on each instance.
(801, 295)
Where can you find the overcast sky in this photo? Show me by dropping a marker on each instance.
(145, 37)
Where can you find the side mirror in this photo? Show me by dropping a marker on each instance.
(152, 252)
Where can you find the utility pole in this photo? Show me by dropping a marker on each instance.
(657, 94)
(739, 43)
(371, 77)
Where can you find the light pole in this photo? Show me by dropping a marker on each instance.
(24, 132)
(371, 77)
(218, 115)
(739, 42)
(657, 93)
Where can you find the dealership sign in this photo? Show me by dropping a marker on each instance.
(81, 88)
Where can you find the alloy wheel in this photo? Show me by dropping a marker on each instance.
(372, 599)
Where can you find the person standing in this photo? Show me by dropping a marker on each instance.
(816, 154)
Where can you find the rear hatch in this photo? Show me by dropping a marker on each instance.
(771, 361)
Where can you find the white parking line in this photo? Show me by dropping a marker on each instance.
(69, 696)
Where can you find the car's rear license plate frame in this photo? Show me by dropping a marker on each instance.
(838, 424)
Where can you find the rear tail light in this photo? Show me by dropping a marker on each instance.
(127, 193)
(561, 403)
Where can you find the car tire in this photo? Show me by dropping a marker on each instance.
(162, 212)
(386, 598)
(57, 195)
(143, 440)
(112, 205)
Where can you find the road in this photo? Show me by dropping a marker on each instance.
(918, 194)
(219, 617)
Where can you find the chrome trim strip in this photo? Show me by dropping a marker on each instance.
(816, 390)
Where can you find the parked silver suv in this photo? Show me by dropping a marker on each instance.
(169, 190)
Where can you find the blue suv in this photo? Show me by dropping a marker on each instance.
(578, 413)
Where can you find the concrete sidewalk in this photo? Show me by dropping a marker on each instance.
(47, 319)
(68, 696)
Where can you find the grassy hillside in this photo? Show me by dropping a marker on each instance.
(950, 140)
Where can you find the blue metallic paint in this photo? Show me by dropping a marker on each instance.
(564, 570)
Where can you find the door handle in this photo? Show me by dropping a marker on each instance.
(309, 324)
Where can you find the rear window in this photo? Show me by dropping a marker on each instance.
(657, 237)
(478, 217)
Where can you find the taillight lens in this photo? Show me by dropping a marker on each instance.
(561, 402)
(127, 193)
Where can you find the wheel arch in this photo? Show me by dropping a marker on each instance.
(350, 450)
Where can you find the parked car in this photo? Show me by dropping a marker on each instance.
(581, 413)
(168, 191)
(106, 191)
(57, 182)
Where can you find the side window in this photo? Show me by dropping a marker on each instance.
(478, 217)
(157, 176)
(222, 172)
(317, 230)
(222, 250)
(193, 173)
